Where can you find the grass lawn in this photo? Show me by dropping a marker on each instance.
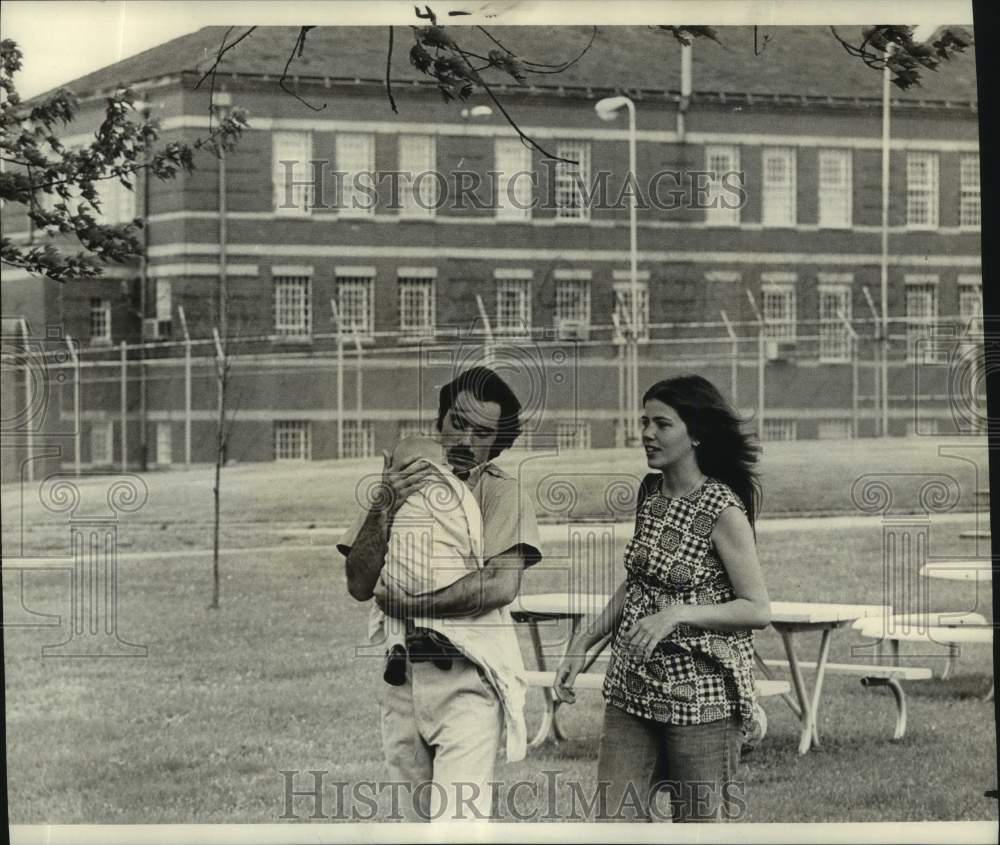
(199, 731)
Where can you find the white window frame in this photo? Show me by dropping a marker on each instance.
(921, 325)
(572, 301)
(716, 214)
(969, 198)
(117, 202)
(779, 199)
(424, 286)
(835, 428)
(834, 339)
(164, 444)
(297, 147)
(572, 434)
(164, 300)
(293, 315)
(359, 439)
(355, 153)
(100, 319)
(970, 292)
(514, 322)
(571, 181)
(780, 429)
(350, 284)
(417, 156)
(102, 441)
(623, 306)
(780, 324)
(292, 440)
(922, 194)
(514, 179)
(835, 195)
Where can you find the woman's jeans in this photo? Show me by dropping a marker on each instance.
(652, 771)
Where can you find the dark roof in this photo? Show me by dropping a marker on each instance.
(796, 61)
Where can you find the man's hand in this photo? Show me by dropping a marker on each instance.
(399, 483)
(394, 602)
(647, 633)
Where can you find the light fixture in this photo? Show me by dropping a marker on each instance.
(476, 111)
(606, 109)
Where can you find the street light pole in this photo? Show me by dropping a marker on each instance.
(885, 243)
(606, 110)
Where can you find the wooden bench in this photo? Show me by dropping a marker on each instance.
(949, 629)
(872, 675)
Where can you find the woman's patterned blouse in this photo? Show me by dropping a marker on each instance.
(694, 675)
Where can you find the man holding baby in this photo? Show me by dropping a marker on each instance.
(453, 675)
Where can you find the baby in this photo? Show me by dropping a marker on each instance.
(436, 538)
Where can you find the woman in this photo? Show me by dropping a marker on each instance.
(679, 689)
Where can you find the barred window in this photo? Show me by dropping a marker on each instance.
(102, 434)
(572, 301)
(512, 161)
(835, 429)
(354, 303)
(623, 311)
(513, 315)
(292, 441)
(779, 311)
(100, 320)
(970, 299)
(921, 315)
(779, 187)
(416, 307)
(292, 173)
(418, 185)
(359, 439)
(164, 444)
(355, 152)
(573, 435)
(780, 428)
(292, 311)
(835, 189)
(969, 197)
(720, 160)
(411, 428)
(572, 180)
(921, 190)
(834, 339)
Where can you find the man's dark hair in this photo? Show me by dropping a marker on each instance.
(486, 386)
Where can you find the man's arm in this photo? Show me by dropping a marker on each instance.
(367, 555)
(495, 585)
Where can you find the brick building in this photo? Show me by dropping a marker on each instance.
(801, 125)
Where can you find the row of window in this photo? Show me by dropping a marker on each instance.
(512, 316)
(355, 154)
(292, 439)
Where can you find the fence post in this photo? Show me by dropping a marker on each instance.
(187, 388)
(852, 339)
(76, 400)
(340, 380)
(488, 329)
(124, 405)
(29, 434)
(877, 351)
(760, 364)
(734, 356)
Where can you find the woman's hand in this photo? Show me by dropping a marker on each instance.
(649, 631)
(399, 483)
(570, 666)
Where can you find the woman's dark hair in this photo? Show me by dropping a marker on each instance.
(486, 386)
(724, 450)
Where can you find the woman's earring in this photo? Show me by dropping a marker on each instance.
(695, 443)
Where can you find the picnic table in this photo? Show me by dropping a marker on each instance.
(789, 619)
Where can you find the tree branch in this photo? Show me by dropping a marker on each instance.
(300, 44)
(388, 74)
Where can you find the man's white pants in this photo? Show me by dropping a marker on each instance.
(440, 734)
